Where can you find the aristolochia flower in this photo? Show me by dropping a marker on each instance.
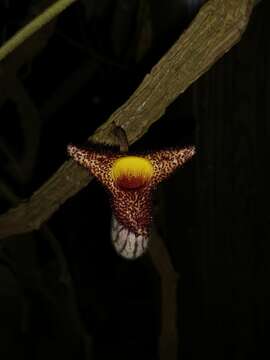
(130, 180)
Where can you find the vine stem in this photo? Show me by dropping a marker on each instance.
(38, 22)
(121, 135)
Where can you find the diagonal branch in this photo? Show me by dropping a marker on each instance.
(217, 27)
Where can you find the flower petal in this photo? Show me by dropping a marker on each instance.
(165, 162)
(98, 163)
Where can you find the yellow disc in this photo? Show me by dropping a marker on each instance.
(132, 166)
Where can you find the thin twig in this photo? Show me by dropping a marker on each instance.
(46, 16)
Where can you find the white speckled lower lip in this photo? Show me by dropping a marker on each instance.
(126, 243)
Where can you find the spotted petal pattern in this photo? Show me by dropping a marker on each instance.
(131, 206)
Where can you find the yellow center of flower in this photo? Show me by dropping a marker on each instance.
(132, 172)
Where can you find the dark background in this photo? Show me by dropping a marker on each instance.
(64, 293)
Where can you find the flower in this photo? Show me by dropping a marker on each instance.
(130, 180)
